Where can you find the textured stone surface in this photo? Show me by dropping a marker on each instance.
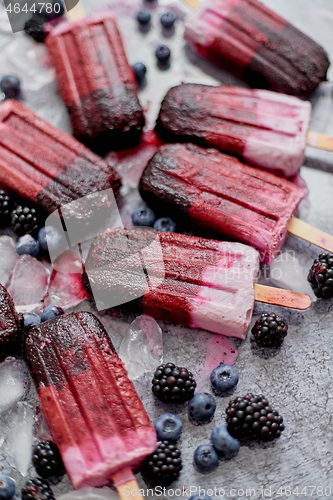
(297, 377)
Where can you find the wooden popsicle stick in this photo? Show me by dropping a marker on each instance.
(311, 234)
(319, 141)
(125, 479)
(194, 4)
(76, 13)
(280, 297)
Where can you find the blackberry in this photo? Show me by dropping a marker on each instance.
(47, 460)
(6, 206)
(269, 330)
(24, 220)
(37, 489)
(172, 384)
(163, 466)
(320, 276)
(35, 27)
(253, 417)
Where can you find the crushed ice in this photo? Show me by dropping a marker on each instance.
(8, 258)
(14, 383)
(29, 281)
(142, 346)
(19, 436)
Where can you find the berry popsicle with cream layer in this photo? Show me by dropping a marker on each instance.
(266, 129)
(45, 165)
(96, 82)
(186, 280)
(94, 413)
(222, 195)
(255, 44)
(227, 198)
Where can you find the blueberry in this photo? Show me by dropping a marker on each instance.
(163, 54)
(143, 16)
(27, 244)
(223, 442)
(168, 427)
(168, 19)
(143, 216)
(165, 224)
(10, 86)
(49, 238)
(200, 497)
(7, 487)
(140, 71)
(205, 458)
(224, 378)
(202, 407)
(31, 320)
(51, 312)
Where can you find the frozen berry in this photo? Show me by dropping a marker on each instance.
(140, 71)
(7, 487)
(168, 427)
(143, 16)
(31, 320)
(269, 330)
(224, 379)
(37, 489)
(27, 245)
(51, 312)
(10, 86)
(163, 466)
(320, 276)
(168, 19)
(252, 416)
(173, 384)
(24, 220)
(165, 224)
(205, 458)
(223, 442)
(202, 407)
(143, 216)
(47, 460)
(49, 238)
(200, 497)
(6, 206)
(163, 54)
(35, 27)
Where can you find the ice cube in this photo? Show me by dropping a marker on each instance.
(29, 281)
(65, 288)
(14, 383)
(89, 493)
(286, 272)
(18, 444)
(142, 346)
(8, 258)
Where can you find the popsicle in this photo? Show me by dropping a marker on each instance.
(254, 43)
(95, 416)
(96, 82)
(226, 197)
(266, 129)
(193, 281)
(45, 165)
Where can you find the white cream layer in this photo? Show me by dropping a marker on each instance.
(224, 303)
